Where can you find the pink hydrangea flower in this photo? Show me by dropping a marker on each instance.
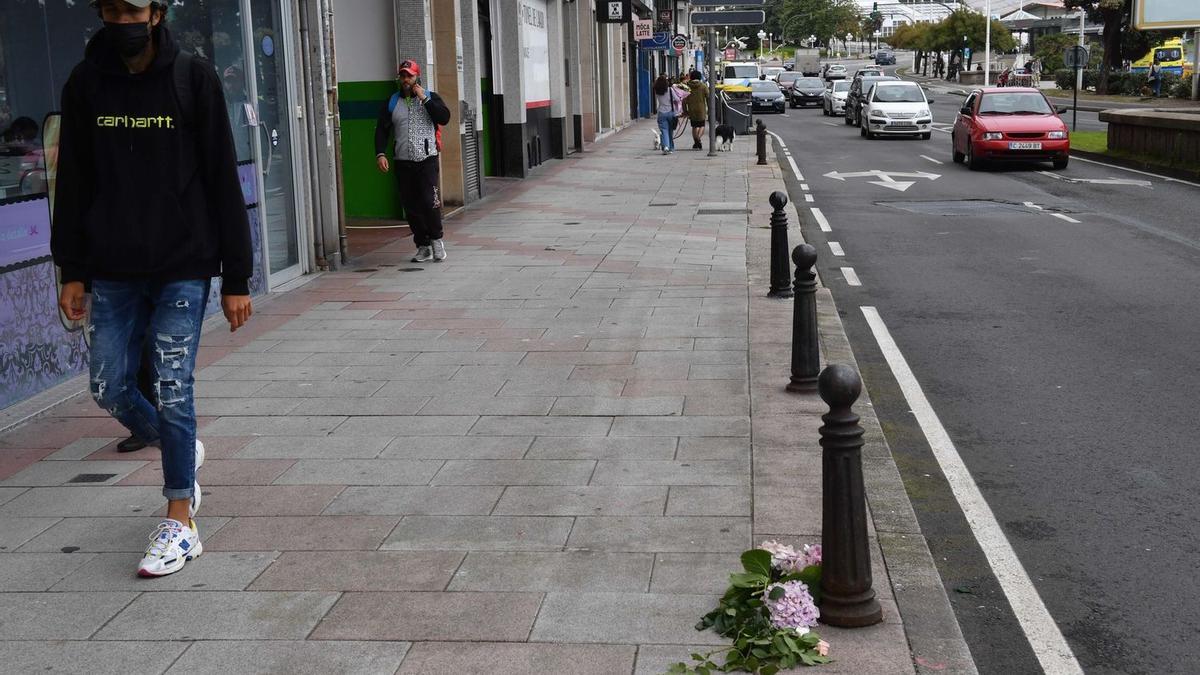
(823, 648)
(787, 559)
(795, 609)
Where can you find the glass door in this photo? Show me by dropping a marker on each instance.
(268, 31)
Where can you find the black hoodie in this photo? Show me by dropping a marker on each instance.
(144, 191)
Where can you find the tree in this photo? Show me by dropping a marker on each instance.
(951, 31)
(1120, 40)
(822, 18)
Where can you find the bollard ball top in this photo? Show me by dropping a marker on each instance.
(839, 385)
(805, 256)
(778, 200)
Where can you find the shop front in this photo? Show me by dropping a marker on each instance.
(250, 44)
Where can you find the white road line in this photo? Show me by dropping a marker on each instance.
(804, 186)
(1063, 216)
(1144, 173)
(833, 124)
(836, 249)
(795, 169)
(824, 224)
(944, 131)
(935, 161)
(1043, 634)
(808, 198)
(1032, 206)
(851, 276)
(1051, 174)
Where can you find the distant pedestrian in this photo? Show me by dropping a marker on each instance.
(149, 210)
(696, 107)
(1155, 78)
(414, 117)
(939, 66)
(666, 104)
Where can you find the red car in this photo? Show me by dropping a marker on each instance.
(1009, 124)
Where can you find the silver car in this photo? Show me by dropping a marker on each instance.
(833, 99)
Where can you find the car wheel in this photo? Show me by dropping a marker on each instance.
(973, 162)
(955, 155)
(927, 135)
(847, 120)
(862, 131)
(1060, 164)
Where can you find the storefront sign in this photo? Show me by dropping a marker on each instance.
(643, 29)
(660, 41)
(535, 53)
(664, 17)
(679, 43)
(24, 231)
(614, 11)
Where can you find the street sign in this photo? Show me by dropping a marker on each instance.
(643, 29)
(1075, 56)
(613, 11)
(731, 54)
(753, 17)
(966, 53)
(679, 42)
(660, 41)
(664, 17)
(1164, 14)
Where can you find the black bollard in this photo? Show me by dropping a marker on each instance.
(781, 286)
(847, 599)
(761, 130)
(806, 345)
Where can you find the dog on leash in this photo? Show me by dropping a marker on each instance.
(657, 138)
(726, 134)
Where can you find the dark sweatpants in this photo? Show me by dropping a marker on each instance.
(421, 197)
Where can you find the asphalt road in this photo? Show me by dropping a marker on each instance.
(1057, 341)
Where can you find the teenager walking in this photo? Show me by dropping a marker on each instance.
(149, 210)
(666, 101)
(696, 105)
(414, 117)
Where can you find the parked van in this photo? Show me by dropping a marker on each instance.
(739, 73)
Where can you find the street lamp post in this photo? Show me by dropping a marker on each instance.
(987, 43)
(762, 35)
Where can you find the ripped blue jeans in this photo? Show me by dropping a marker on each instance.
(170, 314)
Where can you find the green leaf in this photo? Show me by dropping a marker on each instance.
(748, 580)
(778, 592)
(757, 561)
(751, 664)
(811, 575)
(760, 652)
(791, 644)
(769, 670)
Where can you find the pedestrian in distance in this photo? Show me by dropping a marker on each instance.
(414, 118)
(149, 210)
(696, 107)
(666, 103)
(1155, 78)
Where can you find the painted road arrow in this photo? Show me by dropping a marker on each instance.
(1099, 181)
(885, 177)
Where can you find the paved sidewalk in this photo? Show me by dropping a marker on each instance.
(541, 456)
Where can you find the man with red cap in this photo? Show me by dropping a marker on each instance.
(413, 117)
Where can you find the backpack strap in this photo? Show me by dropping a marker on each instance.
(393, 102)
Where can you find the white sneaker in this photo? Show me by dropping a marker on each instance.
(172, 545)
(439, 250)
(424, 254)
(195, 505)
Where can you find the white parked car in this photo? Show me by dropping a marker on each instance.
(896, 108)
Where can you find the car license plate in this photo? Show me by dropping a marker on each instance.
(1024, 146)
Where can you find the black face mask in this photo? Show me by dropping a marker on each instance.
(130, 39)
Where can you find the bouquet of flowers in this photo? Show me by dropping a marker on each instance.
(768, 611)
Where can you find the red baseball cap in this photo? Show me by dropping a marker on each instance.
(409, 67)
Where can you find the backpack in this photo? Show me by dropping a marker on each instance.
(437, 128)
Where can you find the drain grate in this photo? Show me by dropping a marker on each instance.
(365, 270)
(92, 477)
(958, 207)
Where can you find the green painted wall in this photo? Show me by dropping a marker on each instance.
(369, 194)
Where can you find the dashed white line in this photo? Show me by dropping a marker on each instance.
(935, 161)
(787, 153)
(1044, 636)
(1144, 173)
(832, 124)
(1032, 206)
(808, 198)
(851, 276)
(1063, 216)
(804, 186)
(795, 169)
(821, 221)
(836, 249)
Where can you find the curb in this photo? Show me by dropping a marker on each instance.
(1171, 172)
(935, 640)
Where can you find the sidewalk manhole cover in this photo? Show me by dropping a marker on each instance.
(365, 270)
(958, 207)
(92, 477)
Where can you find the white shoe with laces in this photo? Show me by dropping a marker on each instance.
(172, 545)
(439, 250)
(424, 254)
(195, 505)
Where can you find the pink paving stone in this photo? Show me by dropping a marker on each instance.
(308, 533)
(14, 461)
(215, 447)
(219, 472)
(430, 313)
(266, 500)
(447, 324)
